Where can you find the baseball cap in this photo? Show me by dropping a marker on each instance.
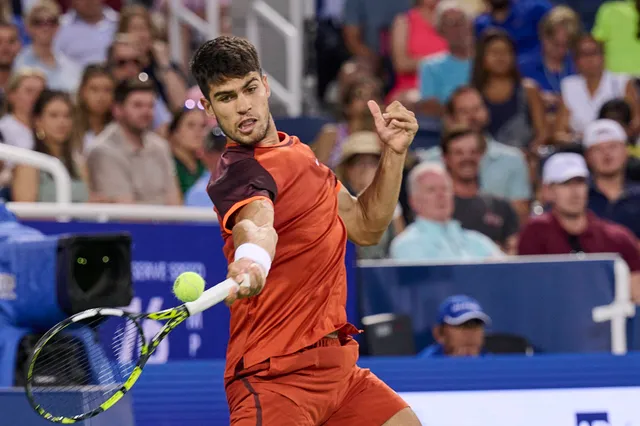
(603, 130)
(456, 310)
(564, 166)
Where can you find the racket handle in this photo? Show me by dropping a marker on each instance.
(215, 295)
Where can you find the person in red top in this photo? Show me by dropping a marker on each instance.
(570, 227)
(285, 220)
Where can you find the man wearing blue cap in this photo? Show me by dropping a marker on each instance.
(460, 328)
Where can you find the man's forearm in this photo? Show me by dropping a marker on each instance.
(378, 202)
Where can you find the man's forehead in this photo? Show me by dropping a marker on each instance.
(233, 84)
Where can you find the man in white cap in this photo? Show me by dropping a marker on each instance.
(611, 195)
(570, 227)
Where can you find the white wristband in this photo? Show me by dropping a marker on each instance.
(255, 253)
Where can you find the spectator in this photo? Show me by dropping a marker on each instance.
(619, 111)
(330, 49)
(570, 227)
(617, 27)
(53, 130)
(86, 32)
(42, 25)
(459, 330)
(124, 63)
(434, 235)
(214, 145)
(95, 102)
(186, 138)
(413, 37)
(489, 215)
(515, 105)
(356, 117)
(357, 167)
(135, 20)
(23, 89)
(547, 68)
(611, 195)
(128, 163)
(14, 18)
(503, 169)
(584, 94)
(441, 75)
(520, 19)
(9, 48)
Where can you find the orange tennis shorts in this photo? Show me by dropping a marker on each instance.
(320, 385)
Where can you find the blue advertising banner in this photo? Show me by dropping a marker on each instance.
(161, 252)
(549, 303)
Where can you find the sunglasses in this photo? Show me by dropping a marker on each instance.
(44, 22)
(130, 61)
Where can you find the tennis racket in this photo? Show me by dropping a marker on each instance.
(85, 364)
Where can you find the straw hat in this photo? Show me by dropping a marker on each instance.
(364, 142)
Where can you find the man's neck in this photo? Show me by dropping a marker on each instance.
(553, 64)
(92, 19)
(500, 15)
(611, 186)
(132, 137)
(44, 53)
(272, 137)
(574, 225)
(465, 189)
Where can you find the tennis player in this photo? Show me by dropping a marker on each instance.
(285, 219)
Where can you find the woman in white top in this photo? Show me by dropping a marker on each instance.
(95, 100)
(23, 89)
(584, 94)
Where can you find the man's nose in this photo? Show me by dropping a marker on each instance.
(243, 105)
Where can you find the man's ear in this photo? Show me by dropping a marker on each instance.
(208, 108)
(438, 334)
(266, 85)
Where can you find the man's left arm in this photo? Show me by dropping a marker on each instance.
(368, 215)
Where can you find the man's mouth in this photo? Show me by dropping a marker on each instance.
(247, 125)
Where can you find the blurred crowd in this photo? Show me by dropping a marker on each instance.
(537, 106)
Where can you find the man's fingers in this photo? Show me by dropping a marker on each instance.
(398, 115)
(378, 120)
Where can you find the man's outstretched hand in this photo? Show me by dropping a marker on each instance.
(396, 127)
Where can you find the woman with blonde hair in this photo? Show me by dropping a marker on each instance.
(136, 21)
(94, 103)
(22, 90)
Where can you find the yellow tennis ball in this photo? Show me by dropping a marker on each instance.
(188, 286)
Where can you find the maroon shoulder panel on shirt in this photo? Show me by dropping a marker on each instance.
(239, 177)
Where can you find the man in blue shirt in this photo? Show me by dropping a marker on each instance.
(460, 328)
(611, 195)
(519, 18)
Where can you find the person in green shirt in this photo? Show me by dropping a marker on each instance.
(617, 27)
(187, 132)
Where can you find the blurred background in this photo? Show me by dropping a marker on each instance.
(506, 284)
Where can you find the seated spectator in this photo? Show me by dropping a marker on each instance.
(440, 75)
(95, 102)
(12, 17)
(520, 19)
(619, 111)
(214, 145)
(459, 330)
(42, 24)
(616, 27)
(515, 105)
(186, 138)
(611, 195)
(357, 167)
(547, 68)
(503, 169)
(53, 129)
(489, 215)
(129, 163)
(355, 117)
(124, 63)
(584, 94)
(434, 235)
(135, 20)
(570, 227)
(23, 89)
(413, 37)
(9, 49)
(86, 32)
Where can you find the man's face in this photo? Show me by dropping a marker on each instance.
(461, 340)
(463, 158)
(9, 47)
(556, 45)
(360, 171)
(570, 198)
(136, 112)
(241, 106)
(607, 158)
(456, 28)
(432, 197)
(125, 62)
(42, 26)
(469, 110)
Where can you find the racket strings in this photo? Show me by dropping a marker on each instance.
(80, 368)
